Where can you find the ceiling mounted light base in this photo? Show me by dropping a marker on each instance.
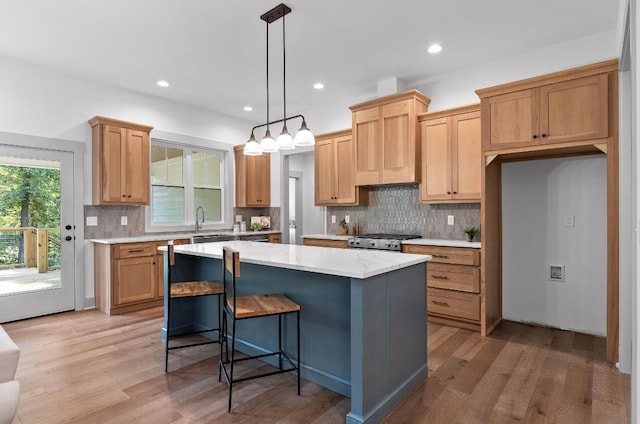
(276, 13)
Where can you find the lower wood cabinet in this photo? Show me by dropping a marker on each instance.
(129, 276)
(275, 238)
(340, 244)
(454, 294)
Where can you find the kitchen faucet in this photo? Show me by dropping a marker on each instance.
(198, 223)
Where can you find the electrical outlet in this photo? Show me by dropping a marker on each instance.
(92, 221)
(333, 219)
(450, 220)
(555, 273)
(570, 221)
(123, 220)
(346, 219)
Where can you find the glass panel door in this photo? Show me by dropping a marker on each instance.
(36, 233)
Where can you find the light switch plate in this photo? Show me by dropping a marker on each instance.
(333, 219)
(346, 219)
(450, 220)
(569, 221)
(92, 221)
(123, 220)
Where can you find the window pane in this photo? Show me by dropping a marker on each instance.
(174, 168)
(167, 204)
(213, 169)
(211, 199)
(158, 164)
(198, 163)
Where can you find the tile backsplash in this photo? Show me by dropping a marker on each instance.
(396, 209)
(109, 220)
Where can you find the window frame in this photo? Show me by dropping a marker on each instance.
(226, 187)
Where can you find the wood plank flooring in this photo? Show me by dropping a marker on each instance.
(88, 367)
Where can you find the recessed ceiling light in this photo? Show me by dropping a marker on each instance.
(434, 48)
(163, 83)
(248, 108)
(318, 86)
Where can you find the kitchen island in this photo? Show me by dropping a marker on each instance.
(363, 315)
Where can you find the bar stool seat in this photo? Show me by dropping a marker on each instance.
(186, 289)
(238, 308)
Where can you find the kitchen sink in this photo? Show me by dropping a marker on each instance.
(209, 238)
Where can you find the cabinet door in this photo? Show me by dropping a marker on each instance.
(398, 143)
(134, 279)
(510, 120)
(436, 160)
(258, 180)
(466, 157)
(136, 156)
(367, 148)
(574, 110)
(324, 172)
(112, 154)
(344, 184)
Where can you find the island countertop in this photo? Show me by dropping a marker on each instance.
(355, 263)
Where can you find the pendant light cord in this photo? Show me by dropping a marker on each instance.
(267, 77)
(284, 75)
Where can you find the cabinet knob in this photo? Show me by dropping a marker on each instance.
(448, 192)
(129, 196)
(124, 195)
(535, 136)
(544, 135)
(68, 238)
(455, 192)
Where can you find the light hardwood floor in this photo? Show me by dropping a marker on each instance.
(88, 367)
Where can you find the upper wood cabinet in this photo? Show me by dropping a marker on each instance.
(557, 108)
(334, 176)
(386, 141)
(451, 155)
(253, 179)
(120, 162)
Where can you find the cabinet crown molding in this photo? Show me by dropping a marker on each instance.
(97, 120)
(411, 94)
(565, 75)
(474, 107)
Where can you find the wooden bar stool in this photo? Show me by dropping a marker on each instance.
(189, 289)
(237, 308)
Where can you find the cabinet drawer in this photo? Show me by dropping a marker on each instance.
(454, 277)
(446, 255)
(455, 304)
(275, 238)
(340, 244)
(133, 250)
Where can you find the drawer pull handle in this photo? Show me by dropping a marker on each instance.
(440, 277)
(136, 251)
(435, 302)
(440, 256)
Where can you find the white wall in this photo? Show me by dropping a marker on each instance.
(536, 198)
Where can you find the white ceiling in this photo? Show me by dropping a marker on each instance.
(213, 53)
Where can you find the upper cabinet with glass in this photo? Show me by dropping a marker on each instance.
(120, 162)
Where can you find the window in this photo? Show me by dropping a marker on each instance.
(183, 178)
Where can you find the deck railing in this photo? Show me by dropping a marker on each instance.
(30, 247)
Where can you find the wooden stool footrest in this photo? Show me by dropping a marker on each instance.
(196, 288)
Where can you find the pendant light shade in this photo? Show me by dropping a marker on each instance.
(252, 148)
(304, 137)
(268, 144)
(285, 141)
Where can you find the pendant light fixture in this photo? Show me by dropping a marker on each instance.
(285, 141)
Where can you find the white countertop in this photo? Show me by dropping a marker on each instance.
(420, 241)
(159, 237)
(444, 242)
(328, 236)
(354, 263)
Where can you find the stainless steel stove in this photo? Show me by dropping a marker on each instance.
(391, 242)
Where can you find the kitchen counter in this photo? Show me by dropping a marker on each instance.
(353, 263)
(158, 237)
(444, 242)
(363, 315)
